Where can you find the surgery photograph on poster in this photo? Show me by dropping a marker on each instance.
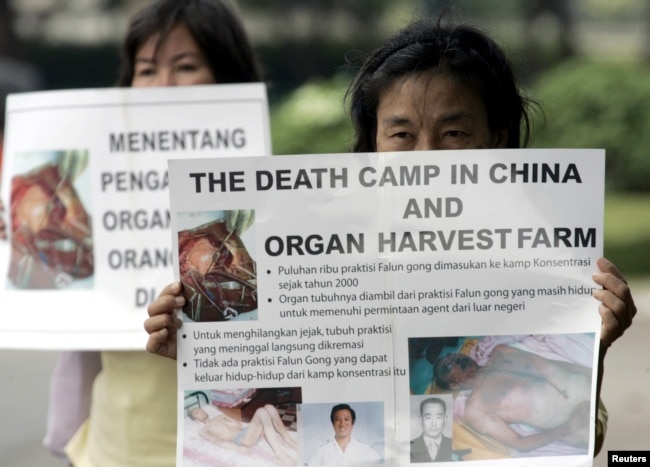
(216, 265)
(51, 234)
(241, 426)
(502, 387)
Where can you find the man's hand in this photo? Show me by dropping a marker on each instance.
(163, 323)
(238, 402)
(617, 308)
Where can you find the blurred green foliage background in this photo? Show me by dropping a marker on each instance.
(600, 105)
(587, 62)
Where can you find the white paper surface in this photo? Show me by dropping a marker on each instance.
(119, 140)
(371, 267)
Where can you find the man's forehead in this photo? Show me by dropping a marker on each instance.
(433, 406)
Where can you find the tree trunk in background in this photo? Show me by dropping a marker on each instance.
(645, 53)
(562, 12)
(8, 40)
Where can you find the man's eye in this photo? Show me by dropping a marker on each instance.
(454, 133)
(401, 135)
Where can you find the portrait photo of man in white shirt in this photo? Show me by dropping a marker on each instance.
(344, 444)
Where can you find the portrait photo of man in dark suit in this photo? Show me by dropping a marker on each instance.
(432, 445)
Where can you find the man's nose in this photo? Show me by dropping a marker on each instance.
(427, 142)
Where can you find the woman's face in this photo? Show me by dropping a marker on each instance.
(176, 61)
(429, 112)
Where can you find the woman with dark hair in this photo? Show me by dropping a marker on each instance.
(468, 60)
(214, 28)
(132, 418)
(433, 86)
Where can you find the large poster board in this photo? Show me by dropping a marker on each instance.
(87, 204)
(441, 295)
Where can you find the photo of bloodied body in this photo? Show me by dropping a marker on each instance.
(217, 271)
(513, 396)
(51, 236)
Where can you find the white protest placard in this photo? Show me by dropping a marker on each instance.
(451, 285)
(85, 188)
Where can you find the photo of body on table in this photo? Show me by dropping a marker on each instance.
(502, 389)
(240, 427)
